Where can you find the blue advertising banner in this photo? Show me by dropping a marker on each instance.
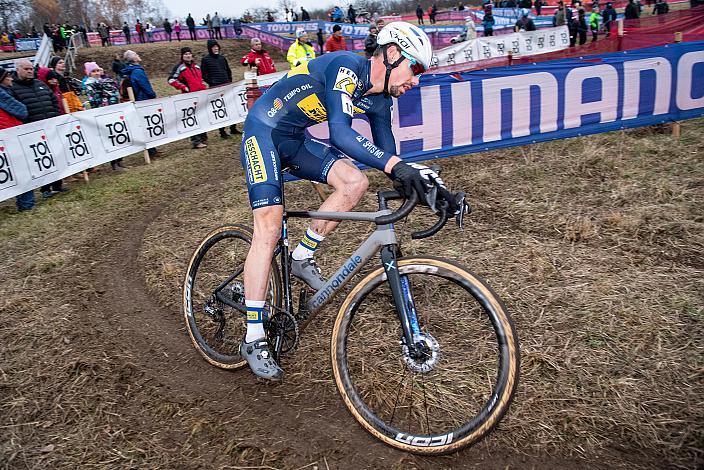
(462, 113)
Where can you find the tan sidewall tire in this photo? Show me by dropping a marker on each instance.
(511, 339)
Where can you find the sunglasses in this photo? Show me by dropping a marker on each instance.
(416, 67)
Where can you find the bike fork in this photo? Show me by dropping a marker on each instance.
(401, 292)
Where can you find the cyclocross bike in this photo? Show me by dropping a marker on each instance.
(424, 354)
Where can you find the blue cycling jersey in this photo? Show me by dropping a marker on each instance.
(329, 88)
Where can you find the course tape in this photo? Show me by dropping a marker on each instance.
(448, 114)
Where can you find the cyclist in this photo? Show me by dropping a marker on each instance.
(330, 88)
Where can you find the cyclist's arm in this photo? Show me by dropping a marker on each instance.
(340, 110)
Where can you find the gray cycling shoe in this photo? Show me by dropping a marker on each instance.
(260, 360)
(307, 271)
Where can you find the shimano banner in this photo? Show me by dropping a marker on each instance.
(448, 114)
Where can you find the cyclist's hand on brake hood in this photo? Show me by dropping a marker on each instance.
(431, 189)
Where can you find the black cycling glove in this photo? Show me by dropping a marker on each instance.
(431, 190)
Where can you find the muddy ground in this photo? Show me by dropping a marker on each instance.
(595, 245)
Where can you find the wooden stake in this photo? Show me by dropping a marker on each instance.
(67, 110)
(130, 93)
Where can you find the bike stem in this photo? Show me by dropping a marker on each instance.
(389, 261)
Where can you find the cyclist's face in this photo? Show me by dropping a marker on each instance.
(401, 80)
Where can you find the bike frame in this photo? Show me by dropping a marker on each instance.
(383, 240)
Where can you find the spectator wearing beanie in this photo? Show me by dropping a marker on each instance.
(52, 81)
(102, 91)
(41, 104)
(12, 113)
(336, 42)
(301, 50)
(187, 77)
(259, 58)
(216, 71)
(58, 65)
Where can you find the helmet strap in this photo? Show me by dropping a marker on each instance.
(389, 68)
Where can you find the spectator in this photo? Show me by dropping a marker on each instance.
(140, 31)
(294, 15)
(594, 23)
(609, 16)
(433, 12)
(102, 91)
(288, 15)
(237, 27)
(216, 71)
(460, 6)
(419, 14)
(380, 24)
(572, 27)
(352, 14)
(321, 41)
(301, 50)
(217, 25)
(661, 7)
(58, 65)
(559, 18)
(336, 42)
(191, 23)
(375, 17)
(150, 31)
(581, 26)
(305, 16)
(538, 7)
(631, 12)
(137, 78)
(168, 29)
(187, 77)
(269, 17)
(104, 34)
(51, 78)
(12, 113)
(370, 42)
(337, 14)
(117, 64)
(177, 30)
(524, 23)
(41, 104)
(488, 24)
(126, 32)
(209, 25)
(259, 58)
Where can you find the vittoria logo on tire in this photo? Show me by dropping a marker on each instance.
(38, 153)
(7, 178)
(74, 142)
(424, 441)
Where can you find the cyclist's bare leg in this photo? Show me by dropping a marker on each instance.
(350, 185)
(267, 231)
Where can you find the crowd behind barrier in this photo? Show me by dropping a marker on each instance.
(448, 114)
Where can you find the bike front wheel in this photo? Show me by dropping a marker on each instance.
(213, 295)
(454, 387)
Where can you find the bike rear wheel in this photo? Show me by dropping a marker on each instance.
(213, 295)
(453, 394)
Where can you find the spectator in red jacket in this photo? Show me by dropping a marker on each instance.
(336, 42)
(187, 77)
(259, 58)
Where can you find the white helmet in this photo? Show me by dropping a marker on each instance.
(410, 38)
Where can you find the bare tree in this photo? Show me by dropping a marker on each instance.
(9, 11)
(284, 4)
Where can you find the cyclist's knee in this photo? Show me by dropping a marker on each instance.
(345, 176)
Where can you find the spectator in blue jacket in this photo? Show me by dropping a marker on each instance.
(139, 82)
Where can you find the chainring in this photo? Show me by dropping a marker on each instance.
(283, 327)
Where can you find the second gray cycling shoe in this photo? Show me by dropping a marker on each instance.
(260, 360)
(307, 271)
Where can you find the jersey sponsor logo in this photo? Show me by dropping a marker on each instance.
(347, 107)
(278, 104)
(255, 161)
(297, 90)
(346, 81)
(313, 108)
